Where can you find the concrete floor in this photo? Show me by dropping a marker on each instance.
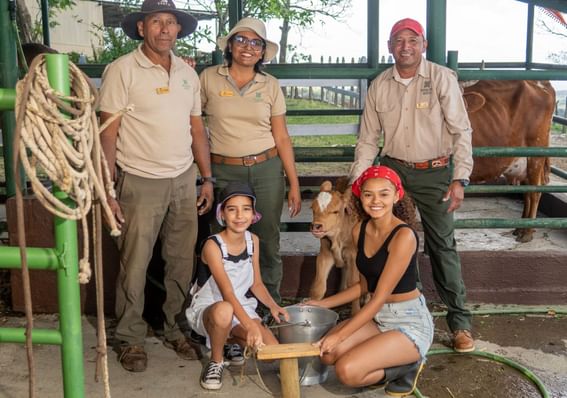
(543, 351)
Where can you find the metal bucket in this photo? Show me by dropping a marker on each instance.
(308, 324)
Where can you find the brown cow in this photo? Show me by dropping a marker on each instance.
(335, 212)
(512, 113)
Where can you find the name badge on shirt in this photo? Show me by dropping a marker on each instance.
(162, 90)
(226, 93)
(422, 105)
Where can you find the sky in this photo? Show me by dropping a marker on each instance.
(490, 30)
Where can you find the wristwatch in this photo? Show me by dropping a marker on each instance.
(212, 180)
(464, 182)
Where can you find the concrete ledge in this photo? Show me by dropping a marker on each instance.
(517, 277)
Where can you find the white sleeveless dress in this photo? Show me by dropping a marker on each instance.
(241, 274)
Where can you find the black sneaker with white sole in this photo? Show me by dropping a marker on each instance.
(233, 355)
(211, 378)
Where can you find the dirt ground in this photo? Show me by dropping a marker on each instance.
(462, 376)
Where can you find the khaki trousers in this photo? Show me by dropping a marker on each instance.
(152, 208)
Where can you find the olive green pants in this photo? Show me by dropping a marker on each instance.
(268, 181)
(427, 188)
(154, 207)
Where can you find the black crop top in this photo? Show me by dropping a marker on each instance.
(372, 267)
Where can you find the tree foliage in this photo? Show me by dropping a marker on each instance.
(292, 13)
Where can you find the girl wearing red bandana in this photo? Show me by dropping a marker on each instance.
(386, 341)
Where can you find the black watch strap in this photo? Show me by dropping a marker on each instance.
(464, 182)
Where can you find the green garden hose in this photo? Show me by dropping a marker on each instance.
(523, 370)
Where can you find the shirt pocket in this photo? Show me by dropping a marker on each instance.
(388, 115)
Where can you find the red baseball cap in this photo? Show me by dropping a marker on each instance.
(407, 23)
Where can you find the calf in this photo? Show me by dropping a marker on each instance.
(334, 216)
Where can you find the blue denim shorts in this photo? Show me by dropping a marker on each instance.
(410, 317)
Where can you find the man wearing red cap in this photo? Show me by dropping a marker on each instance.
(415, 112)
(153, 151)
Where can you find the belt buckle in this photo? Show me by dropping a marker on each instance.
(436, 163)
(249, 161)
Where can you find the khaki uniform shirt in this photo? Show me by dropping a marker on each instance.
(154, 139)
(424, 120)
(239, 121)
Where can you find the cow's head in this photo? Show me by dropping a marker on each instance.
(330, 209)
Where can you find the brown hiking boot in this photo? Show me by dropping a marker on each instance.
(133, 358)
(184, 349)
(463, 341)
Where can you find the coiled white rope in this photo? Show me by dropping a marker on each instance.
(62, 148)
(59, 136)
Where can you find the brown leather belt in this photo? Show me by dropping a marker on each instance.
(248, 161)
(443, 161)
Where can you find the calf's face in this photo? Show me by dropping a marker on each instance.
(328, 212)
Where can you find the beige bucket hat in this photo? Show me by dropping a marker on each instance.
(251, 25)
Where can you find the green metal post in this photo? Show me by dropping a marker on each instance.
(453, 60)
(234, 13)
(67, 274)
(45, 22)
(7, 99)
(436, 30)
(373, 36)
(530, 36)
(8, 79)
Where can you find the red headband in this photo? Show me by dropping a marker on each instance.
(378, 172)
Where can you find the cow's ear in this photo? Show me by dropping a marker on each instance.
(326, 186)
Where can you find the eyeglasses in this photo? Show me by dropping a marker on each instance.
(255, 44)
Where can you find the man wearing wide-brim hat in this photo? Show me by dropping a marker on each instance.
(152, 150)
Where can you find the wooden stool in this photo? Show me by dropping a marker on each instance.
(289, 370)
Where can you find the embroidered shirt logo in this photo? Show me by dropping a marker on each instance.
(185, 84)
(258, 97)
(426, 89)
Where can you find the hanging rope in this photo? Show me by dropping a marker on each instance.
(58, 136)
(61, 148)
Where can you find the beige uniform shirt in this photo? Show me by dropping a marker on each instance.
(239, 121)
(424, 120)
(154, 139)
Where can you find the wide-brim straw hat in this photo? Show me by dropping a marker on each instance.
(251, 25)
(130, 22)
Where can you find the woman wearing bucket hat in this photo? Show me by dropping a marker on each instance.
(245, 114)
(395, 324)
(220, 310)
